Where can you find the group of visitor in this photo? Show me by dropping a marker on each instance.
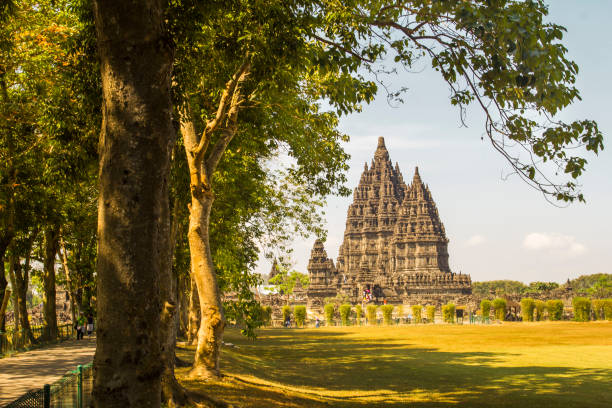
(84, 324)
(367, 295)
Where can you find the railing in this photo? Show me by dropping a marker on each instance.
(11, 341)
(73, 390)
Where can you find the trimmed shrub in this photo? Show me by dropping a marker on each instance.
(300, 315)
(582, 309)
(540, 306)
(598, 309)
(608, 309)
(400, 311)
(527, 307)
(555, 309)
(286, 313)
(358, 313)
(448, 312)
(431, 313)
(329, 310)
(371, 314)
(345, 313)
(387, 311)
(416, 313)
(485, 308)
(499, 308)
(266, 315)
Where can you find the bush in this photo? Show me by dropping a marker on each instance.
(608, 309)
(345, 313)
(582, 309)
(387, 311)
(431, 313)
(329, 310)
(286, 313)
(499, 308)
(485, 308)
(598, 309)
(300, 315)
(266, 315)
(527, 307)
(448, 312)
(540, 306)
(371, 311)
(358, 313)
(416, 313)
(555, 309)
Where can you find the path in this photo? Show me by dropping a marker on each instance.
(33, 369)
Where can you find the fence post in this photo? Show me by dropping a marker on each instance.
(80, 386)
(47, 396)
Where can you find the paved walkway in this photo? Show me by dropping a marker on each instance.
(33, 369)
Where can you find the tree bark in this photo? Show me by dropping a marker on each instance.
(194, 314)
(3, 305)
(184, 292)
(49, 300)
(136, 62)
(68, 277)
(3, 289)
(11, 265)
(173, 394)
(21, 282)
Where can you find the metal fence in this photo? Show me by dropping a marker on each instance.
(11, 341)
(73, 390)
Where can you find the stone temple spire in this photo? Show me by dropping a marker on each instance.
(381, 153)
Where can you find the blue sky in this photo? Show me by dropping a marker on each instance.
(498, 229)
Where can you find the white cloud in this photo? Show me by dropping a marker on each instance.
(475, 241)
(537, 241)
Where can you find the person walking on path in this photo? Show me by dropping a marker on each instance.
(80, 326)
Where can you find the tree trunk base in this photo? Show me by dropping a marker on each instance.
(173, 393)
(204, 374)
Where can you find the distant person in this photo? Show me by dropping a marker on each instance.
(80, 326)
(90, 324)
(317, 323)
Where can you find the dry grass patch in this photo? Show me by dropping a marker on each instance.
(543, 364)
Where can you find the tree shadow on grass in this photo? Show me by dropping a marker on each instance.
(331, 369)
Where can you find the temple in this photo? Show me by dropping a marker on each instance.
(395, 247)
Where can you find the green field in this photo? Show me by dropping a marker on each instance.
(548, 364)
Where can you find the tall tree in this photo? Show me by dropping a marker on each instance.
(136, 58)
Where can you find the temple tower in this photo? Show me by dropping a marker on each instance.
(394, 241)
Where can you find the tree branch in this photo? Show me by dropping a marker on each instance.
(224, 103)
(232, 124)
(342, 48)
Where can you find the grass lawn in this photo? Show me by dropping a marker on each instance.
(547, 364)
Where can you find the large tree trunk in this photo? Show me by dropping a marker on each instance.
(194, 314)
(136, 63)
(49, 301)
(210, 333)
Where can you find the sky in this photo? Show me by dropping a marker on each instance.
(498, 228)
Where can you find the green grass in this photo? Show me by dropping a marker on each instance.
(544, 364)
